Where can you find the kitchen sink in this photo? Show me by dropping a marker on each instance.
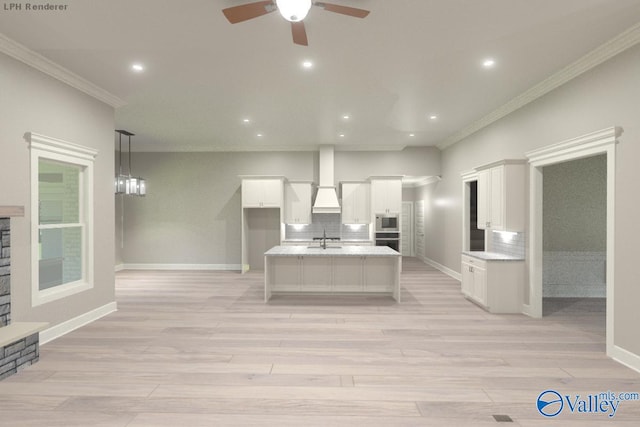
(320, 247)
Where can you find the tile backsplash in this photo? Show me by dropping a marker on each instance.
(329, 223)
(508, 243)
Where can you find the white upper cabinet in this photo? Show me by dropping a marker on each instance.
(297, 202)
(386, 195)
(262, 192)
(501, 196)
(356, 203)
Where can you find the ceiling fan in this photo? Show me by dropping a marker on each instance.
(293, 11)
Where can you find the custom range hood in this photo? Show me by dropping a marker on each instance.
(326, 197)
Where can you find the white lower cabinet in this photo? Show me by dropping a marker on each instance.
(474, 280)
(330, 243)
(379, 274)
(285, 274)
(347, 275)
(332, 274)
(495, 285)
(466, 285)
(316, 274)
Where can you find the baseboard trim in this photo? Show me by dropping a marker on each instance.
(445, 270)
(219, 267)
(63, 328)
(628, 359)
(119, 267)
(527, 311)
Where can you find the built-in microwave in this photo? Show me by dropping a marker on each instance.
(387, 222)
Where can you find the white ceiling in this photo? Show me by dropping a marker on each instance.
(407, 60)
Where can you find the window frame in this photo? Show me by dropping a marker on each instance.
(56, 150)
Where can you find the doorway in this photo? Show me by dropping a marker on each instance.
(406, 248)
(473, 239)
(590, 145)
(476, 236)
(420, 250)
(574, 232)
(263, 233)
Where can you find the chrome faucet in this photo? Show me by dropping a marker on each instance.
(324, 239)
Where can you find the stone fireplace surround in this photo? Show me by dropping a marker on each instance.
(19, 341)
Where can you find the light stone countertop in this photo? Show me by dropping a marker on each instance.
(341, 251)
(345, 241)
(491, 256)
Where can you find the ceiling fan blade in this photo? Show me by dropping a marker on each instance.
(248, 11)
(299, 33)
(344, 10)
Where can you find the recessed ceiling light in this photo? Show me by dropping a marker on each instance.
(489, 63)
(259, 135)
(433, 117)
(246, 120)
(307, 64)
(412, 135)
(138, 68)
(341, 135)
(346, 117)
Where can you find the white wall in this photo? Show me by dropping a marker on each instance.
(608, 95)
(191, 214)
(412, 161)
(34, 102)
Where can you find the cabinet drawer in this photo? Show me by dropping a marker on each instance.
(474, 261)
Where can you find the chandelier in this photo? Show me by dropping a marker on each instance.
(128, 184)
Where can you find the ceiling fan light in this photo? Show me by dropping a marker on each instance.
(293, 10)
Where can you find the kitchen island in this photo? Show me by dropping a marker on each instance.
(334, 270)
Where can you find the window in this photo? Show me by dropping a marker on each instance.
(61, 218)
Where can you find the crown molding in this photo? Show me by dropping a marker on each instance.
(364, 147)
(427, 180)
(618, 44)
(142, 148)
(471, 175)
(35, 60)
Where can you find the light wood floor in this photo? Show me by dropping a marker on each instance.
(203, 349)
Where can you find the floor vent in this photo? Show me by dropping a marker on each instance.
(503, 418)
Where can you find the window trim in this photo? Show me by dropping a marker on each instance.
(44, 147)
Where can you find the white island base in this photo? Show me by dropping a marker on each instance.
(346, 270)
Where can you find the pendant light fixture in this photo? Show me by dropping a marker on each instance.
(128, 184)
(121, 180)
